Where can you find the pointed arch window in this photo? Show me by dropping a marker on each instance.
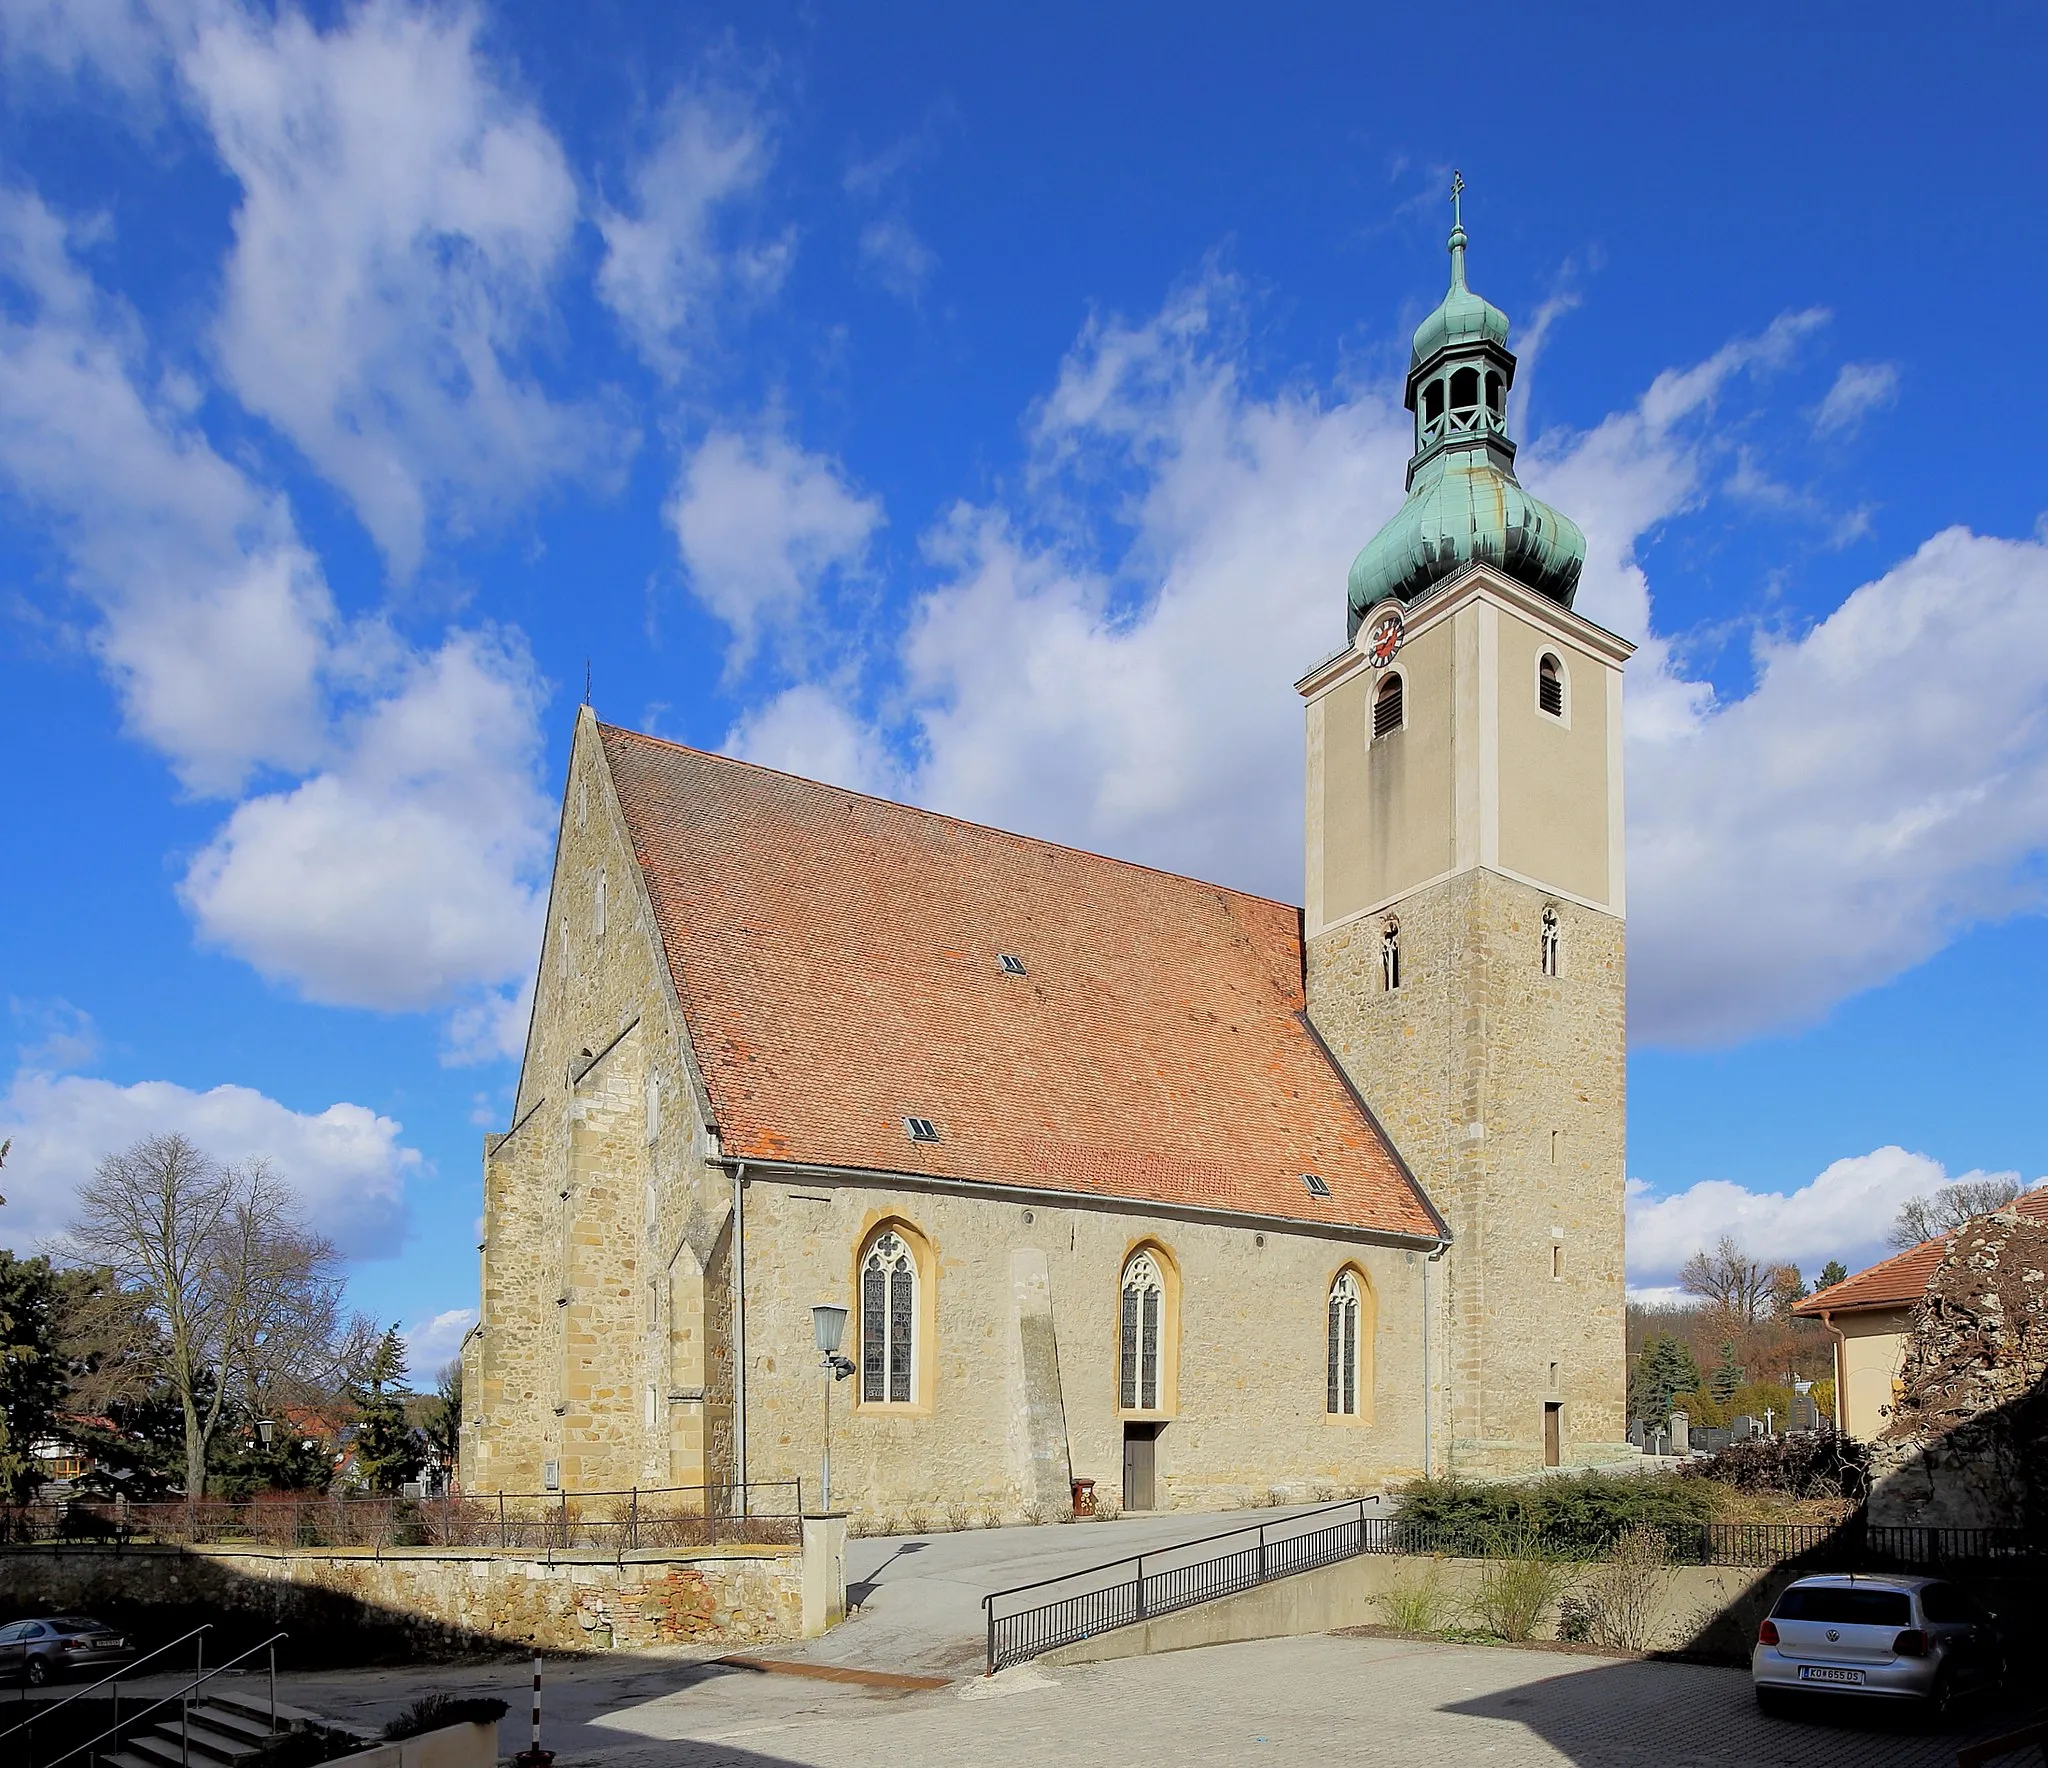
(1144, 1302)
(1552, 942)
(1342, 1397)
(888, 1322)
(1390, 954)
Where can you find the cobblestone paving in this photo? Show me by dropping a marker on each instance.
(1314, 1700)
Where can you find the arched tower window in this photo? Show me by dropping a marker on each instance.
(888, 1322)
(1465, 389)
(1432, 402)
(1495, 394)
(1342, 1399)
(1144, 1302)
(1552, 939)
(1388, 710)
(1550, 686)
(1390, 954)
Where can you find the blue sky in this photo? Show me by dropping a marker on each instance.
(984, 411)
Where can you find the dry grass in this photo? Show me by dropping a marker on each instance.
(1626, 1591)
(1420, 1606)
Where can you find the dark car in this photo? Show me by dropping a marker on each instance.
(40, 1651)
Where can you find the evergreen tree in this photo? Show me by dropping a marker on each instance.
(1831, 1273)
(31, 1370)
(1664, 1370)
(1727, 1375)
(388, 1450)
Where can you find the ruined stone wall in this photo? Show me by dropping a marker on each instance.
(1967, 1442)
(1245, 1418)
(1506, 1092)
(347, 1604)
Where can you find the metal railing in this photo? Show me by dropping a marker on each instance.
(1144, 1586)
(183, 1697)
(127, 1669)
(1162, 1580)
(762, 1513)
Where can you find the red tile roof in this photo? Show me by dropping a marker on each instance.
(1900, 1281)
(837, 959)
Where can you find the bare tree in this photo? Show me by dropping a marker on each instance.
(1726, 1277)
(1922, 1218)
(243, 1300)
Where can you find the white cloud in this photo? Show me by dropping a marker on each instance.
(1860, 388)
(1884, 786)
(62, 1036)
(402, 216)
(895, 257)
(121, 40)
(406, 871)
(346, 1164)
(804, 730)
(214, 618)
(760, 523)
(1843, 1214)
(667, 264)
(432, 1343)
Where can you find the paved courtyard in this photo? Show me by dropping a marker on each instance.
(1313, 1700)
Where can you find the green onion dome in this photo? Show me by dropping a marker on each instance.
(1464, 503)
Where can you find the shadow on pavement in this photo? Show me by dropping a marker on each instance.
(1658, 1712)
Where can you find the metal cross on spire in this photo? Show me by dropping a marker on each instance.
(1457, 190)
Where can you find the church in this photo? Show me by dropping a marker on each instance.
(1119, 1176)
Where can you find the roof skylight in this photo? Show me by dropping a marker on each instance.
(1315, 1184)
(1011, 963)
(921, 1129)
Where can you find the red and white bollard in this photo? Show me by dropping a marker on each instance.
(533, 1756)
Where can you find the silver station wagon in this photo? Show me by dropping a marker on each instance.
(1911, 1640)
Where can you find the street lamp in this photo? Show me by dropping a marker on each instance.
(829, 1324)
(266, 1428)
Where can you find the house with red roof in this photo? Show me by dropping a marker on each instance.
(1870, 1314)
(1001, 1166)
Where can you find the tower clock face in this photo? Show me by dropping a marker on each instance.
(1384, 641)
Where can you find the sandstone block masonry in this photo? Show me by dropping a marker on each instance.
(347, 1604)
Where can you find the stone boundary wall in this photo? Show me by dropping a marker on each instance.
(1709, 1609)
(436, 1599)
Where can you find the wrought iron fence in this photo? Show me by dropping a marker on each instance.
(1080, 1605)
(762, 1513)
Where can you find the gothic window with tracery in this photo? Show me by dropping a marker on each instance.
(1552, 937)
(1390, 955)
(1144, 1301)
(1342, 1398)
(888, 1322)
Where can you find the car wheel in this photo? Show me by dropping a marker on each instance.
(1941, 1700)
(37, 1672)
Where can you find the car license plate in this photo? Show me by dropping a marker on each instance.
(1810, 1673)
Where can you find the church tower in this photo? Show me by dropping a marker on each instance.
(1464, 910)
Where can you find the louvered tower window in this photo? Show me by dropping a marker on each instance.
(888, 1322)
(1550, 686)
(1144, 1296)
(1386, 707)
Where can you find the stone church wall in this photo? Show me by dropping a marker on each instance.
(1246, 1422)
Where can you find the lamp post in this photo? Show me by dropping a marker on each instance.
(266, 1428)
(829, 1324)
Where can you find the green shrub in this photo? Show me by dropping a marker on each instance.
(1523, 1578)
(1420, 1607)
(1573, 1515)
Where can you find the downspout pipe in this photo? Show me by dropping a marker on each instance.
(1827, 1319)
(739, 1330)
(1429, 1365)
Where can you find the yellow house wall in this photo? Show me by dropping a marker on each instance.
(1868, 1358)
